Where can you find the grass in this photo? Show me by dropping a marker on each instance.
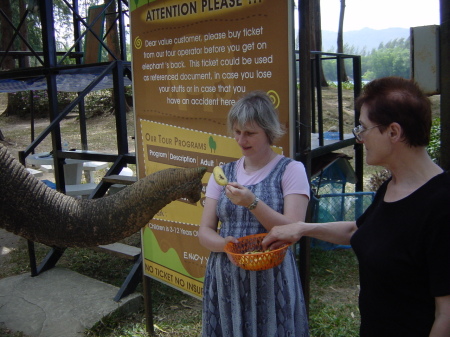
(334, 294)
(333, 304)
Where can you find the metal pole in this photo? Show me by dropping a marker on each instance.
(359, 149)
(50, 62)
(146, 283)
(305, 14)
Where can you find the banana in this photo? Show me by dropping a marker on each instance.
(219, 176)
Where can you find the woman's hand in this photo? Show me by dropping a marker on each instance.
(234, 240)
(239, 195)
(230, 239)
(280, 235)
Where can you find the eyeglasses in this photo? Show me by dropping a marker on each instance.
(360, 129)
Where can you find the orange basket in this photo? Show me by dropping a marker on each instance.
(247, 253)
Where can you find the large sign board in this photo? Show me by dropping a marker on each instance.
(192, 60)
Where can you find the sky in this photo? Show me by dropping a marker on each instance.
(379, 14)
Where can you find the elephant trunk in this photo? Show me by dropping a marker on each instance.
(36, 212)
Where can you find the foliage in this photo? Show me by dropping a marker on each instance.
(389, 62)
(377, 178)
(390, 59)
(21, 101)
(96, 102)
(63, 31)
(434, 147)
(99, 102)
(32, 22)
(345, 85)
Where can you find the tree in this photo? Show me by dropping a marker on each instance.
(112, 36)
(6, 31)
(390, 62)
(340, 41)
(16, 11)
(24, 33)
(316, 40)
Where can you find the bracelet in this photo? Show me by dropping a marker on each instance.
(252, 206)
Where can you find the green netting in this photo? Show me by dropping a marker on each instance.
(338, 207)
(341, 206)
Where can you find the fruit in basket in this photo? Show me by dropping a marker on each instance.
(248, 254)
(257, 251)
(249, 257)
(219, 176)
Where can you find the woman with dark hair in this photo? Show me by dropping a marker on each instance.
(402, 240)
(264, 190)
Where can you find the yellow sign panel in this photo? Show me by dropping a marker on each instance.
(192, 60)
(167, 146)
(193, 287)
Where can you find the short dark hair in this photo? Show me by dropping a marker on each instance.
(256, 107)
(395, 99)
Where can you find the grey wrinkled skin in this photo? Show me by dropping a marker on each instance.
(32, 210)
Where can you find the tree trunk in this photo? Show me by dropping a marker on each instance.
(6, 34)
(24, 33)
(7, 63)
(313, 42)
(340, 41)
(317, 28)
(112, 37)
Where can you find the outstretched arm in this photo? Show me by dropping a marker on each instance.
(334, 232)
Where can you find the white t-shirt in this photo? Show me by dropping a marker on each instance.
(294, 180)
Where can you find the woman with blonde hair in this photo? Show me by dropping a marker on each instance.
(264, 190)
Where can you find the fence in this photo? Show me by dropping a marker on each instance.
(338, 207)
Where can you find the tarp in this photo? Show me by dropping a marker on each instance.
(64, 82)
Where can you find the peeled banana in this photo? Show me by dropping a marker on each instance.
(219, 176)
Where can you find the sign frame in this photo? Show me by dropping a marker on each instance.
(166, 67)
